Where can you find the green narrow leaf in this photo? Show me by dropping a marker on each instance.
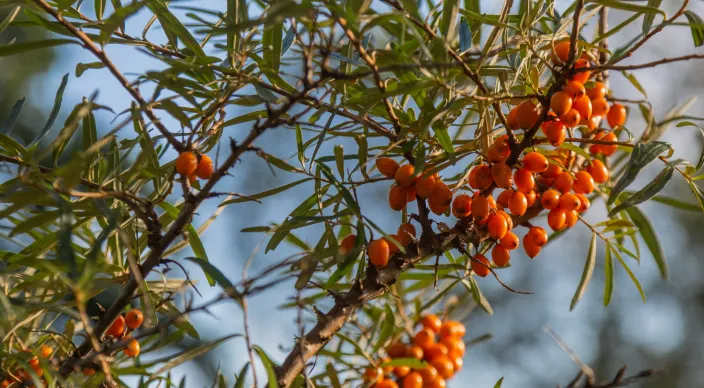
(647, 232)
(117, 19)
(696, 25)
(499, 383)
(608, 275)
(267, 193)
(579, 151)
(465, 36)
(9, 18)
(586, 274)
(271, 44)
(242, 376)
(362, 153)
(17, 48)
(299, 145)
(82, 67)
(445, 141)
(268, 366)
(676, 203)
(99, 6)
(630, 274)
(176, 111)
(54, 110)
(11, 120)
(212, 272)
(387, 328)
(647, 192)
(198, 248)
(288, 39)
(629, 6)
(449, 18)
(412, 363)
(634, 81)
(640, 157)
(648, 18)
(479, 297)
(171, 23)
(190, 354)
(340, 160)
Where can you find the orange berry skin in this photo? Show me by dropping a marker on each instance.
(535, 162)
(432, 322)
(186, 163)
(569, 201)
(386, 383)
(583, 76)
(442, 195)
(480, 177)
(571, 218)
(556, 219)
(396, 350)
(425, 185)
(511, 118)
(429, 374)
(397, 198)
(6, 383)
(373, 374)
(537, 236)
(616, 115)
(402, 370)
(415, 352)
(455, 345)
(480, 270)
(462, 206)
(379, 252)
(387, 166)
(524, 180)
(410, 192)
(609, 150)
(593, 122)
(527, 115)
(424, 338)
(457, 362)
(498, 227)
(88, 372)
(583, 105)
(46, 351)
(598, 171)
(597, 91)
(134, 319)
(500, 255)
(550, 199)
(205, 167)
(530, 248)
(600, 107)
(561, 103)
(393, 249)
(502, 175)
(347, 244)
(561, 52)
(584, 203)
(583, 183)
(117, 327)
(509, 220)
(437, 209)
(556, 133)
(453, 329)
(480, 207)
(531, 197)
(518, 204)
(405, 175)
(435, 350)
(438, 383)
(571, 118)
(563, 182)
(574, 89)
(553, 171)
(413, 380)
(503, 197)
(444, 366)
(132, 349)
(499, 151)
(509, 241)
(406, 234)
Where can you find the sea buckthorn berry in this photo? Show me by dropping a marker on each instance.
(500, 255)
(397, 198)
(462, 206)
(609, 150)
(499, 151)
(535, 162)
(432, 322)
(584, 203)
(6, 383)
(593, 122)
(583, 105)
(117, 327)
(597, 91)
(186, 163)
(373, 374)
(134, 319)
(600, 107)
(595, 149)
(509, 220)
(511, 118)
(537, 235)
(556, 133)
(561, 52)
(444, 366)
(480, 177)
(405, 175)
(387, 166)
(438, 209)
(524, 180)
(502, 199)
(571, 118)
(556, 219)
(402, 371)
(132, 349)
(205, 167)
(379, 252)
(413, 380)
(396, 350)
(553, 171)
(569, 201)
(518, 204)
(386, 383)
(438, 383)
(480, 207)
(574, 89)
(88, 372)
(598, 171)
(561, 103)
(429, 374)
(550, 199)
(347, 244)
(616, 115)
(531, 197)
(393, 249)
(510, 241)
(531, 249)
(497, 226)
(583, 183)
(410, 192)
(435, 350)
(455, 345)
(192, 179)
(571, 218)
(527, 114)
(425, 186)
(442, 195)
(563, 182)
(583, 76)
(457, 362)
(502, 175)
(406, 233)
(414, 351)
(424, 338)
(46, 351)
(453, 329)
(482, 270)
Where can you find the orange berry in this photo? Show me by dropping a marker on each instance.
(205, 167)
(405, 175)
(535, 162)
(571, 118)
(117, 327)
(498, 227)
(503, 197)
(480, 177)
(192, 179)
(537, 236)
(406, 234)
(499, 151)
(509, 241)
(593, 122)
(186, 163)
(462, 206)
(442, 195)
(437, 209)
(435, 350)
(46, 351)
(480, 207)
(556, 133)
(584, 203)
(596, 148)
(561, 103)
(396, 350)
(132, 349)
(386, 383)
(413, 380)
(518, 204)
(532, 250)
(598, 171)
(609, 150)
(583, 105)
(374, 374)
(437, 383)
(393, 249)
(563, 182)
(509, 220)
(527, 114)
(500, 255)
(569, 201)
(482, 270)
(502, 175)
(424, 338)
(134, 319)
(387, 166)
(429, 374)
(553, 171)
(425, 186)
(571, 218)
(524, 180)
(379, 252)
(397, 198)
(597, 91)
(410, 192)
(444, 366)
(600, 107)
(550, 199)
(432, 322)
(556, 219)
(455, 345)
(347, 244)
(88, 372)
(561, 52)
(574, 89)
(512, 119)
(415, 352)
(583, 183)
(457, 362)
(616, 115)
(583, 76)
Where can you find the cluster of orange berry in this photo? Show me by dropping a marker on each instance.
(194, 166)
(437, 343)
(20, 377)
(382, 249)
(122, 325)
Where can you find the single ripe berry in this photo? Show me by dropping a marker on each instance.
(524, 180)
(583, 183)
(186, 163)
(553, 171)
(563, 182)
(532, 250)
(437, 209)
(432, 322)
(396, 350)
(499, 151)
(134, 319)
(537, 235)
(616, 115)
(132, 349)
(609, 150)
(556, 133)
(442, 195)
(480, 266)
(597, 91)
(583, 105)
(571, 118)
(413, 380)
(401, 371)
(410, 192)
(46, 350)
(584, 203)
(569, 201)
(518, 204)
(455, 345)
(571, 218)
(205, 167)
(406, 233)
(498, 227)
(480, 207)
(392, 240)
(598, 171)
(556, 219)
(117, 327)
(527, 114)
(436, 349)
(561, 52)
(397, 198)
(550, 199)
(503, 197)
(444, 366)
(593, 122)
(480, 177)
(561, 103)
(347, 244)
(373, 374)
(583, 76)
(424, 338)
(386, 383)
(511, 118)
(415, 352)
(88, 372)
(531, 197)
(502, 175)
(405, 175)
(425, 186)
(500, 255)
(600, 107)
(457, 362)
(462, 206)
(387, 166)
(379, 252)
(438, 383)
(429, 374)
(510, 241)
(535, 162)
(453, 329)
(574, 89)
(509, 220)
